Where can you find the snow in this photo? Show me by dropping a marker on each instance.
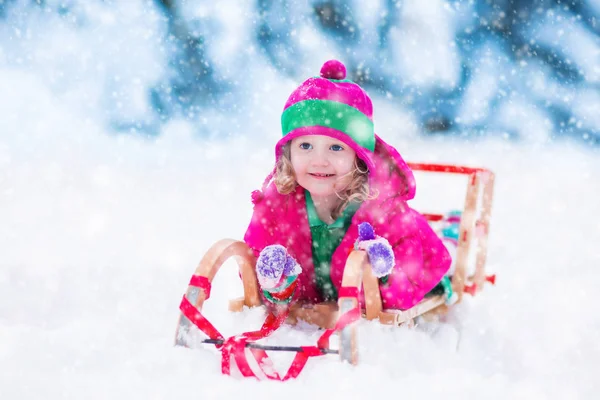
(426, 54)
(87, 55)
(100, 233)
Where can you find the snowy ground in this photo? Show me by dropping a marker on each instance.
(99, 235)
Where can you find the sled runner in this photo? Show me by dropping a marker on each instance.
(471, 229)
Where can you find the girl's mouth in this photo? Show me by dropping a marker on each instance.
(321, 176)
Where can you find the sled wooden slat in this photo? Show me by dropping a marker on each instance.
(466, 228)
(398, 317)
(356, 265)
(221, 252)
(323, 314)
(483, 227)
(373, 303)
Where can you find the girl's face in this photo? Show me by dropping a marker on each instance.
(322, 164)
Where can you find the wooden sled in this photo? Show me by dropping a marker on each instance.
(474, 227)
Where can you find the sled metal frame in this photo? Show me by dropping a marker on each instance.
(358, 272)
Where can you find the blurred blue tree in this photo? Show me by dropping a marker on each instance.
(525, 69)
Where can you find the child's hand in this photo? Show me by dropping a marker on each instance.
(275, 268)
(381, 255)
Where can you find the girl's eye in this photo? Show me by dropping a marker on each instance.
(305, 146)
(336, 147)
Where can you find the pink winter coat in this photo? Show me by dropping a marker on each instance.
(421, 258)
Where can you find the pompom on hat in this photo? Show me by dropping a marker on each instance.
(334, 106)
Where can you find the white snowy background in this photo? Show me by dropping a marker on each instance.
(100, 232)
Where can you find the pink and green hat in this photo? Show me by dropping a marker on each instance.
(334, 106)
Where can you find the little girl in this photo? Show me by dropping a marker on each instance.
(335, 184)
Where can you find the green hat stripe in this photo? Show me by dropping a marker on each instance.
(332, 114)
(337, 80)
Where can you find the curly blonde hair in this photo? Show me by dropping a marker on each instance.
(357, 189)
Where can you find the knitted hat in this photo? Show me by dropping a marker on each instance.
(334, 106)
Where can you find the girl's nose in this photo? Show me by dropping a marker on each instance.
(320, 159)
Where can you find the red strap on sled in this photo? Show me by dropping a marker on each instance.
(235, 346)
(194, 315)
(203, 283)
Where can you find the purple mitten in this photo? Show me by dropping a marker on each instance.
(365, 231)
(273, 264)
(381, 254)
